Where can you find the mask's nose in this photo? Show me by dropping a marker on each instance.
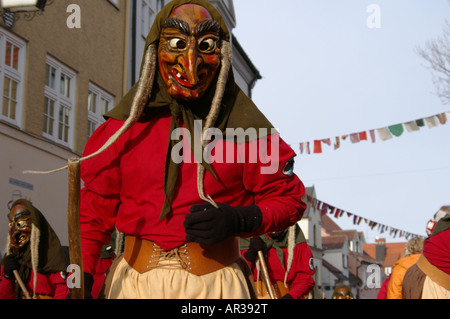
(191, 62)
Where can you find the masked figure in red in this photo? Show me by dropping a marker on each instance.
(289, 262)
(183, 166)
(35, 253)
(429, 277)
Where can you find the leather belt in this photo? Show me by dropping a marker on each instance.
(435, 274)
(144, 255)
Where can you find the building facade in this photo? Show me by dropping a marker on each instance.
(61, 68)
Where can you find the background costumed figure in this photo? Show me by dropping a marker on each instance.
(34, 251)
(289, 262)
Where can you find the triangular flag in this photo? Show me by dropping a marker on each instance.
(308, 151)
(326, 141)
(337, 144)
(362, 136)
(412, 126)
(384, 134)
(301, 147)
(354, 137)
(396, 130)
(317, 146)
(372, 135)
(431, 121)
(324, 209)
(420, 123)
(331, 209)
(442, 118)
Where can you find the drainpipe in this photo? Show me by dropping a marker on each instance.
(133, 43)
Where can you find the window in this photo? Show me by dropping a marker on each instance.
(12, 61)
(59, 103)
(99, 103)
(148, 11)
(314, 236)
(344, 261)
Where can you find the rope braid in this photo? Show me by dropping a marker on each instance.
(291, 246)
(34, 245)
(139, 101)
(214, 113)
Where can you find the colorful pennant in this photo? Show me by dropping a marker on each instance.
(325, 208)
(384, 133)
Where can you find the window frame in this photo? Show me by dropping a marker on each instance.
(61, 101)
(96, 116)
(13, 74)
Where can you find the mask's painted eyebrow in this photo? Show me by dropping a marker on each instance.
(20, 215)
(207, 26)
(177, 24)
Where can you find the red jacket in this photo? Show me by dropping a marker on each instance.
(52, 285)
(123, 186)
(301, 274)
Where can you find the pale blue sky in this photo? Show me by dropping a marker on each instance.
(326, 74)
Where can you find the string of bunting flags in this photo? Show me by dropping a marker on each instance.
(325, 208)
(384, 133)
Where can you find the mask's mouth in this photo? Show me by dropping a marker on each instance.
(183, 81)
(20, 238)
(181, 78)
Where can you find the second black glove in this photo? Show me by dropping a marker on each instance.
(209, 225)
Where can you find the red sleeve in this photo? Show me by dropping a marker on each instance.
(303, 271)
(6, 287)
(277, 190)
(60, 284)
(382, 293)
(100, 195)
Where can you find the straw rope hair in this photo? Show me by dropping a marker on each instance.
(34, 246)
(145, 85)
(214, 113)
(139, 101)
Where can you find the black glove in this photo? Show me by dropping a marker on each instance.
(209, 225)
(9, 265)
(88, 283)
(287, 296)
(256, 244)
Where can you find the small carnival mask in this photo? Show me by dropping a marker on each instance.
(19, 226)
(189, 52)
(342, 292)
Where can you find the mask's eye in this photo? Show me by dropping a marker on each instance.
(177, 44)
(207, 45)
(21, 223)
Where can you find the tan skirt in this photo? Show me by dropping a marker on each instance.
(172, 282)
(432, 290)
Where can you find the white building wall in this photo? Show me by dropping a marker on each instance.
(20, 152)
